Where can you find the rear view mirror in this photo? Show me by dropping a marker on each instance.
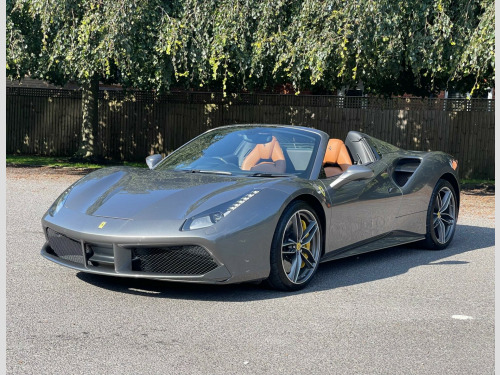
(152, 160)
(258, 137)
(353, 173)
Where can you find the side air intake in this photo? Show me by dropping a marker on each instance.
(404, 170)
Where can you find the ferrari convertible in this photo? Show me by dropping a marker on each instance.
(253, 202)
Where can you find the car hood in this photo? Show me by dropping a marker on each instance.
(136, 193)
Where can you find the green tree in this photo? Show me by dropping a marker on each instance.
(392, 46)
(86, 42)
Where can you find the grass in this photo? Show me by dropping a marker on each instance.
(57, 161)
(477, 182)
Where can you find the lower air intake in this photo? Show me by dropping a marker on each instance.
(64, 247)
(178, 260)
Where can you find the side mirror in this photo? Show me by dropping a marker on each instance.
(353, 173)
(152, 160)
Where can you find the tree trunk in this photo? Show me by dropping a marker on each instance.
(87, 149)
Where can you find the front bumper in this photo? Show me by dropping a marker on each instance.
(234, 255)
(121, 264)
(238, 245)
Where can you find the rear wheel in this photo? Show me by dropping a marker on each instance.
(296, 248)
(442, 216)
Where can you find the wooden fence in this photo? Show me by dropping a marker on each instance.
(133, 125)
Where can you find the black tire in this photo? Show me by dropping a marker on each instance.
(286, 255)
(441, 221)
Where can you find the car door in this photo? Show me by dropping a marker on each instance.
(362, 210)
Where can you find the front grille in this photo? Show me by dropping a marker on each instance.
(64, 247)
(178, 260)
(100, 255)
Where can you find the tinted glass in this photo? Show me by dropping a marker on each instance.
(381, 148)
(246, 151)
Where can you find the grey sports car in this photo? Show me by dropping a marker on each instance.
(253, 202)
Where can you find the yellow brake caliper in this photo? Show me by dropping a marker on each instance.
(307, 246)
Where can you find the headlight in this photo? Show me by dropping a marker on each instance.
(204, 221)
(207, 219)
(59, 203)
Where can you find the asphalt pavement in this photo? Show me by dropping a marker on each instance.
(397, 311)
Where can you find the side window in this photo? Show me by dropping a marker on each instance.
(299, 155)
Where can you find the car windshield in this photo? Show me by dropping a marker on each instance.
(249, 151)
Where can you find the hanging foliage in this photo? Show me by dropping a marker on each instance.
(392, 46)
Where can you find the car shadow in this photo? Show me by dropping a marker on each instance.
(354, 270)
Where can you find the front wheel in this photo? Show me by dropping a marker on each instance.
(442, 216)
(296, 248)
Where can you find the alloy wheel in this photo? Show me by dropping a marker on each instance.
(444, 215)
(300, 246)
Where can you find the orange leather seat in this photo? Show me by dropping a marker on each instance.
(265, 157)
(337, 154)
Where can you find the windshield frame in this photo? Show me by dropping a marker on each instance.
(311, 172)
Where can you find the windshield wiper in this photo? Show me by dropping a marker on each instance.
(261, 174)
(206, 171)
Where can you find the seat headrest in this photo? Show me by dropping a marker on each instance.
(336, 153)
(263, 151)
